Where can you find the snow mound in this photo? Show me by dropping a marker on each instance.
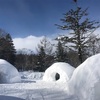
(8, 73)
(85, 81)
(59, 71)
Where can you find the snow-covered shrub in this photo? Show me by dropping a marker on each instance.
(8, 73)
(59, 71)
(85, 81)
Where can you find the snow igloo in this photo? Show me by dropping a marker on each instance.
(85, 81)
(59, 71)
(8, 73)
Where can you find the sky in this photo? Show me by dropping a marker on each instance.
(25, 18)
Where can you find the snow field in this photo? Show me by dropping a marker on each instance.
(82, 83)
(38, 90)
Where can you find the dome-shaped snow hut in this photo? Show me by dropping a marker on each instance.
(59, 71)
(8, 73)
(85, 81)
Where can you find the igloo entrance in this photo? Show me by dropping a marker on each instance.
(57, 76)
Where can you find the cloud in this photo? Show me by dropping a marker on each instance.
(29, 42)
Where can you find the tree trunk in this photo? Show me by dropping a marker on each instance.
(80, 55)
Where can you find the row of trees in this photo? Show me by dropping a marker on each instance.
(45, 56)
(47, 53)
(38, 61)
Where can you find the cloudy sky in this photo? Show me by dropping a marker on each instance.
(25, 18)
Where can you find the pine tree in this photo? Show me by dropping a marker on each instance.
(7, 50)
(81, 27)
(60, 53)
(10, 49)
(45, 57)
(93, 45)
(41, 59)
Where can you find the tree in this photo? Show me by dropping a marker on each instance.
(41, 59)
(20, 62)
(44, 56)
(93, 45)
(81, 27)
(10, 49)
(61, 53)
(7, 49)
(45, 43)
(25, 59)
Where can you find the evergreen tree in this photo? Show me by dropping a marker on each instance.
(20, 62)
(41, 59)
(45, 57)
(93, 45)
(61, 53)
(7, 50)
(10, 49)
(81, 27)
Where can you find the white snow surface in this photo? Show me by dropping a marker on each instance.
(31, 88)
(63, 69)
(85, 81)
(8, 73)
(83, 84)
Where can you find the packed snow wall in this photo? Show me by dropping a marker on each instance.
(60, 72)
(85, 81)
(8, 73)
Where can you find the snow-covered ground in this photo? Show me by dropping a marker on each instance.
(82, 83)
(33, 88)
